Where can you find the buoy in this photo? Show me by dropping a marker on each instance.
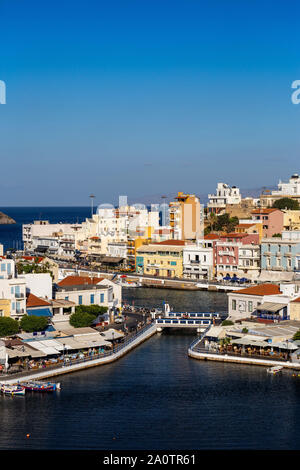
(27, 435)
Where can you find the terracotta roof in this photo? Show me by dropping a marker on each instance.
(79, 281)
(261, 289)
(296, 300)
(38, 259)
(264, 211)
(211, 236)
(34, 301)
(234, 235)
(171, 242)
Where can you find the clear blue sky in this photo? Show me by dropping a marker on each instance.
(145, 97)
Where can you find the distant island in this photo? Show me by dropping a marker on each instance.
(5, 219)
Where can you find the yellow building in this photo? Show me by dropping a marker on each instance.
(295, 309)
(248, 227)
(291, 220)
(185, 217)
(164, 259)
(4, 308)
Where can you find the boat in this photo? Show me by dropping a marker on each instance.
(125, 282)
(12, 389)
(275, 370)
(35, 386)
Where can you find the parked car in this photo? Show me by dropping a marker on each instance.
(119, 319)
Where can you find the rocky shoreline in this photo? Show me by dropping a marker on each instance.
(5, 219)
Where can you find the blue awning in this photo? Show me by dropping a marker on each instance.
(40, 312)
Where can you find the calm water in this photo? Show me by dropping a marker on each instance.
(156, 397)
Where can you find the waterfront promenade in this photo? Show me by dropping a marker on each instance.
(80, 364)
(198, 351)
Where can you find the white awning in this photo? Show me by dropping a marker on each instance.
(271, 306)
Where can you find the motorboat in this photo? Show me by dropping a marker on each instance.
(275, 370)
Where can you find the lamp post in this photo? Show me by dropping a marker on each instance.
(64, 353)
(113, 341)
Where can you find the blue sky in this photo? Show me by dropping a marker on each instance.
(145, 97)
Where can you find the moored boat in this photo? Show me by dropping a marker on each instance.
(275, 370)
(35, 386)
(12, 389)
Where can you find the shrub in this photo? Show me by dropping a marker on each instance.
(8, 326)
(227, 323)
(31, 323)
(245, 330)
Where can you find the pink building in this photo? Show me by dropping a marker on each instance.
(272, 221)
(226, 252)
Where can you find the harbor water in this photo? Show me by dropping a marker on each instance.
(155, 397)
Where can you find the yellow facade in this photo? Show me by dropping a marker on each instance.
(161, 261)
(250, 228)
(295, 310)
(5, 308)
(291, 220)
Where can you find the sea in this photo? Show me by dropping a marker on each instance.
(156, 397)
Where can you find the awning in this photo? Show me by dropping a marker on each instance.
(39, 312)
(270, 307)
(249, 342)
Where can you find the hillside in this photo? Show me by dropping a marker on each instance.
(5, 219)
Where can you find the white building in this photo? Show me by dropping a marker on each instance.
(292, 188)
(198, 261)
(38, 284)
(85, 290)
(12, 288)
(224, 195)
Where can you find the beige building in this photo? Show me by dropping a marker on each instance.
(185, 217)
(291, 220)
(5, 307)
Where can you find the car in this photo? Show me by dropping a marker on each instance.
(120, 319)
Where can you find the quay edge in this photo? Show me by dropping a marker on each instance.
(84, 365)
(241, 360)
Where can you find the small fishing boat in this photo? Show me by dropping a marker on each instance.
(12, 389)
(35, 386)
(275, 370)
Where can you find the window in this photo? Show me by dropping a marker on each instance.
(66, 298)
(233, 304)
(92, 298)
(101, 298)
(80, 299)
(250, 306)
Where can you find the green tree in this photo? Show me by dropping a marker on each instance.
(276, 235)
(81, 319)
(8, 326)
(296, 336)
(286, 203)
(30, 323)
(92, 309)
